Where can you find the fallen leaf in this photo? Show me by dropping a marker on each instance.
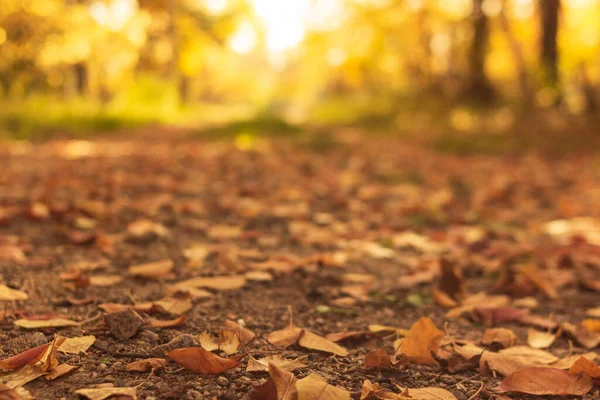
(231, 282)
(259, 276)
(567, 362)
(592, 325)
(285, 383)
(146, 365)
(27, 357)
(8, 294)
(105, 393)
(313, 341)
(498, 315)
(515, 358)
(502, 336)
(285, 337)
(105, 280)
(378, 359)
(422, 339)
(174, 306)
(22, 376)
(159, 323)
(155, 269)
(17, 393)
(226, 341)
(451, 283)
(541, 340)
(201, 361)
(245, 335)
(428, 393)
(314, 387)
(77, 345)
(46, 323)
(59, 371)
(266, 391)
(545, 381)
(583, 336)
(341, 336)
(258, 365)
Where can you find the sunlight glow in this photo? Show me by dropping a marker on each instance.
(113, 15)
(243, 41)
(284, 22)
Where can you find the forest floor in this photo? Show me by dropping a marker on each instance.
(369, 243)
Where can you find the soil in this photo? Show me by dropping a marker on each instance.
(353, 191)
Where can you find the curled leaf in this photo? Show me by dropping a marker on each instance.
(201, 361)
(545, 381)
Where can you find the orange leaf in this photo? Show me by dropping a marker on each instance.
(147, 365)
(378, 359)
(198, 360)
(422, 339)
(285, 383)
(315, 342)
(245, 335)
(27, 357)
(586, 366)
(545, 381)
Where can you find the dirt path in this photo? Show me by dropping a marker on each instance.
(350, 237)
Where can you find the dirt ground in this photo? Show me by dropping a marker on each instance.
(337, 232)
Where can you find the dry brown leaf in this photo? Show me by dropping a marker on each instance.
(567, 362)
(155, 269)
(285, 383)
(258, 365)
(468, 350)
(378, 359)
(428, 393)
(314, 387)
(59, 371)
(201, 361)
(231, 282)
(159, 323)
(581, 335)
(541, 340)
(592, 325)
(502, 336)
(8, 294)
(147, 364)
(422, 339)
(226, 341)
(443, 299)
(245, 335)
(30, 356)
(77, 345)
(105, 280)
(45, 323)
(266, 391)
(48, 361)
(18, 393)
(105, 393)
(259, 276)
(22, 376)
(593, 312)
(313, 341)
(341, 336)
(585, 366)
(451, 283)
(545, 381)
(515, 358)
(174, 306)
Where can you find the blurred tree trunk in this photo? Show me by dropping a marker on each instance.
(479, 86)
(79, 69)
(517, 54)
(549, 19)
(589, 91)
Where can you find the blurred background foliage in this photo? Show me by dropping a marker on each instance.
(464, 72)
